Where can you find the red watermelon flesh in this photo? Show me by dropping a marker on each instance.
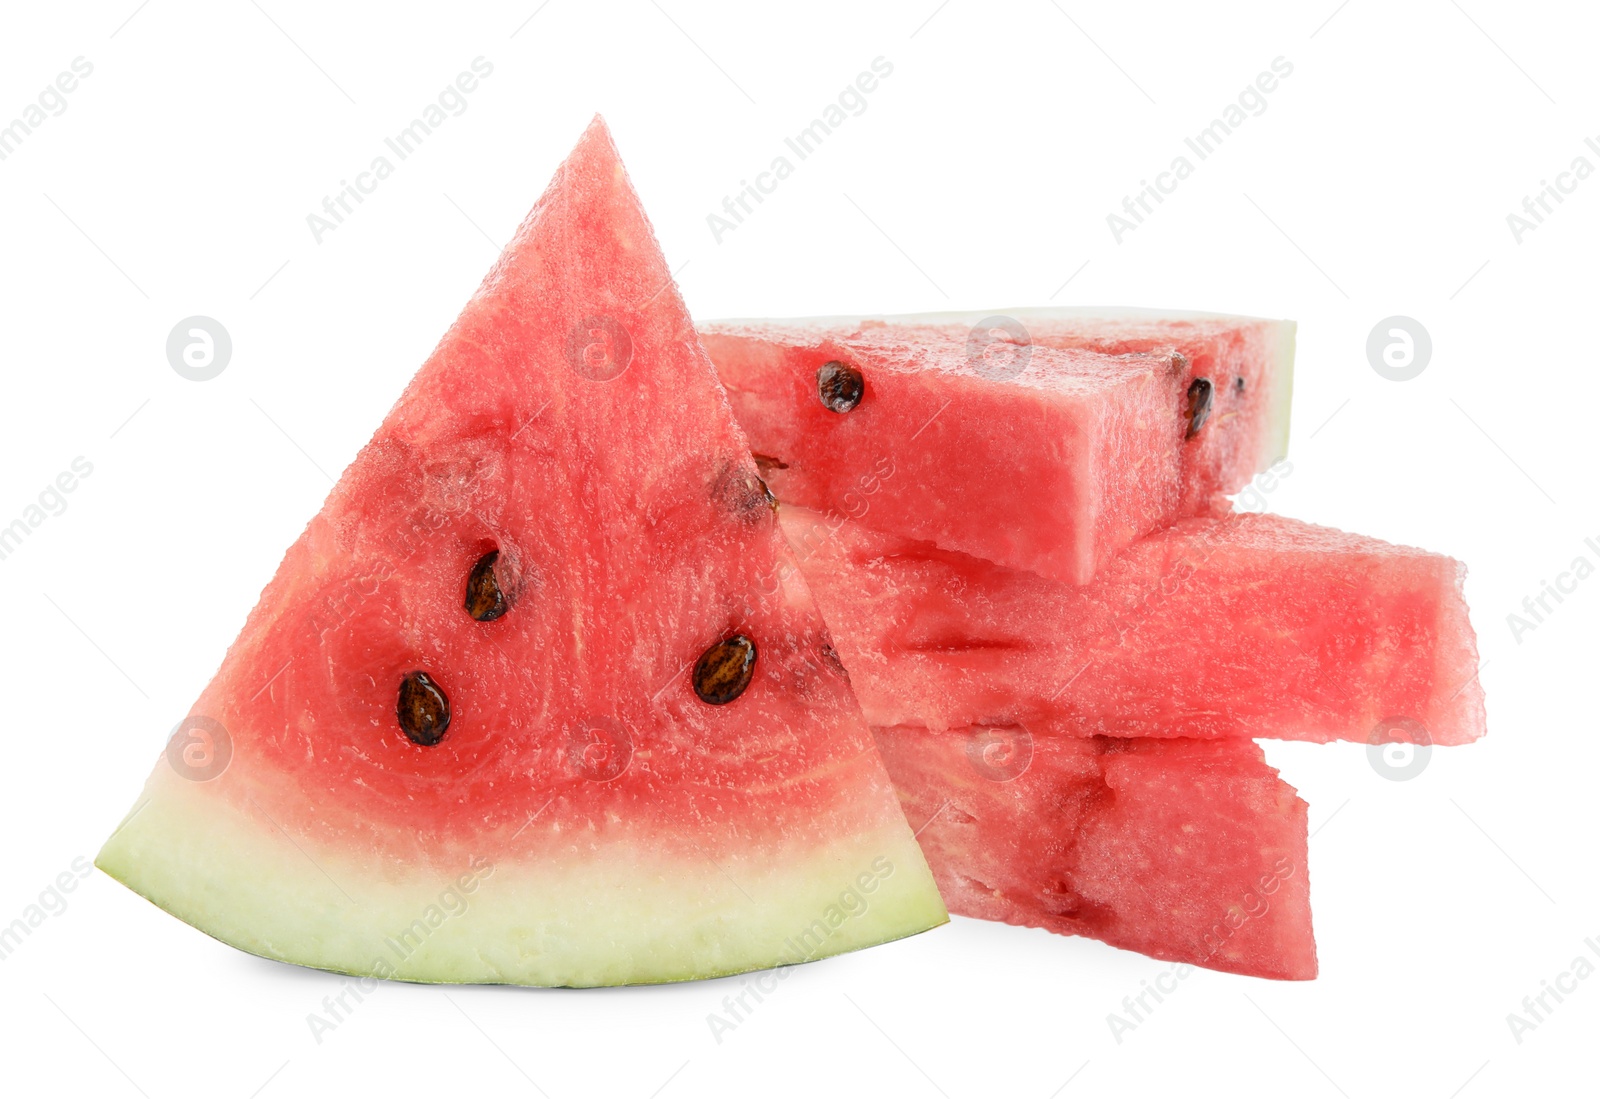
(1240, 355)
(1231, 625)
(598, 811)
(1185, 850)
(1043, 440)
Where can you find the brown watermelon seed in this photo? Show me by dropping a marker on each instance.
(830, 657)
(724, 670)
(839, 386)
(766, 463)
(423, 709)
(1199, 405)
(485, 601)
(744, 493)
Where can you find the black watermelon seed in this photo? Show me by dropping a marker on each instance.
(839, 386)
(1199, 405)
(724, 670)
(423, 709)
(485, 601)
(1238, 385)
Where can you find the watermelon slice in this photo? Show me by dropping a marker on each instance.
(1041, 440)
(1229, 625)
(1190, 851)
(537, 697)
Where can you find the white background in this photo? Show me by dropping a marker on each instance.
(1377, 182)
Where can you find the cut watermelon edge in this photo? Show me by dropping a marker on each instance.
(1274, 442)
(756, 838)
(1235, 900)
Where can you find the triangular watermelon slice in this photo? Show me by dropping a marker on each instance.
(538, 697)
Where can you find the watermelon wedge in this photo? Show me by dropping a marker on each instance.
(1228, 625)
(1191, 851)
(1041, 440)
(537, 697)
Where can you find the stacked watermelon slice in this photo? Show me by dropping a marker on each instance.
(1065, 637)
(554, 690)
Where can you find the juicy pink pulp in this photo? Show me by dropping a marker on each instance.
(634, 534)
(1248, 625)
(1183, 850)
(1095, 452)
(1240, 355)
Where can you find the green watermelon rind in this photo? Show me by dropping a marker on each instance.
(235, 876)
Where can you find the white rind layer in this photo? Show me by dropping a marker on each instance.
(609, 914)
(1275, 435)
